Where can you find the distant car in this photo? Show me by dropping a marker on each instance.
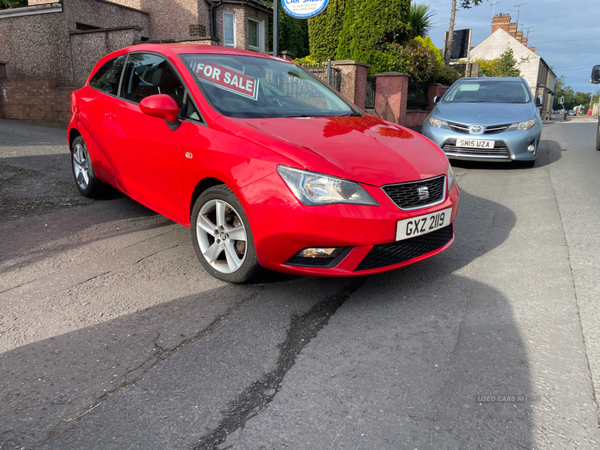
(572, 113)
(487, 119)
(266, 164)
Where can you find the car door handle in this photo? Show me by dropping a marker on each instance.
(111, 115)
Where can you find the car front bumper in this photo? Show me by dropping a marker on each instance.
(282, 226)
(508, 145)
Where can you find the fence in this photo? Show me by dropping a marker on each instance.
(371, 90)
(325, 73)
(418, 97)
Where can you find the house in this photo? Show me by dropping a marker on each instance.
(50, 46)
(536, 72)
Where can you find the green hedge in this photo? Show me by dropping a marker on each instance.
(368, 24)
(324, 31)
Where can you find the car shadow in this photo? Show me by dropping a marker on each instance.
(429, 313)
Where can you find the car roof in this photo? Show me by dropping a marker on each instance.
(182, 49)
(484, 79)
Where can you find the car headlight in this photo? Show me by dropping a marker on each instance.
(522, 126)
(314, 189)
(437, 123)
(451, 179)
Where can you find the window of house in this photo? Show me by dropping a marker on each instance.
(149, 74)
(107, 78)
(256, 35)
(229, 29)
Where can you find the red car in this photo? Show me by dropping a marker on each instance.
(268, 165)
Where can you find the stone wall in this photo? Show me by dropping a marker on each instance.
(39, 46)
(40, 100)
(87, 47)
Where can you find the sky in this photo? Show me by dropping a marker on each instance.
(566, 33)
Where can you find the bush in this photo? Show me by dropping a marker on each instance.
(324, 31)
(368, 23)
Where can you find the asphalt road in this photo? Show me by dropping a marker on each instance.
(112, 336)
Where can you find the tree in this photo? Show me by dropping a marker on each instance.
(503, 66)
(420, 19)
(324, 31)
(507, 65)
(370, 23)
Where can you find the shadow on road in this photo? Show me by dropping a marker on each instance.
(421, 342)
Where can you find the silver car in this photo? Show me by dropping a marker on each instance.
(487, 119)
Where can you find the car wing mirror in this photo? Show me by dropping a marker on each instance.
(436, 99)
(595, 78)
(539, 101)
(164, 107)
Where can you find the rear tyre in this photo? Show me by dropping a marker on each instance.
(222, 237)
(83, 170)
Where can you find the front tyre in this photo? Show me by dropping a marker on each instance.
(83, 170)
(222, 237)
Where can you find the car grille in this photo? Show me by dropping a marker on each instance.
(459, 127)
(406, 195)
(490, 129)
(493, 129)
(400, 251)
(500, 150)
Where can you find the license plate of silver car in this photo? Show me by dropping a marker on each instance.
(474, 143)
(417, 226)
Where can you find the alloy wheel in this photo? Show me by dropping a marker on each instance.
(222, 237)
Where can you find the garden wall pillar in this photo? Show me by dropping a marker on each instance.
(391, 96)
(354, 80)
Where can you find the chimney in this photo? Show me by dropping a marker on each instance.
(532, 49)
(512, 29)
(524, 42)
(519, 36)
(500, 22)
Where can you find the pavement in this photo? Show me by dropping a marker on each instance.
(112, 336)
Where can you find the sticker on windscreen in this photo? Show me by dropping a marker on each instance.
(227, 79)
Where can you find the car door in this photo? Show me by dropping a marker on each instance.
(93, 103)
(147, 154)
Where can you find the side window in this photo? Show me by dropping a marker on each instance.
(106, 79)
(189, 110)
(147, 74)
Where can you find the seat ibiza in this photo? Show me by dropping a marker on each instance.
(267, 165)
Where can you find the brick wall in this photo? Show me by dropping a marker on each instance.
(37, 99)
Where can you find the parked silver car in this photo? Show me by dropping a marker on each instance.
(487, 119)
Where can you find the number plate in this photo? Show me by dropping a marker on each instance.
(474, 143)
(417, 226)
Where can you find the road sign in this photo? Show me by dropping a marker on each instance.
(304, 9)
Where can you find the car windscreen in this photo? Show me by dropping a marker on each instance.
(492, 91)
(249, 87)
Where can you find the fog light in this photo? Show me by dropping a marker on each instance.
(323, 257)
(318, 252)
(531, 148)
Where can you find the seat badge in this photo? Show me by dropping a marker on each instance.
(189, 155)
(423, 192)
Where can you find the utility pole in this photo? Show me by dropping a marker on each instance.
(275, 28)
(450, 38)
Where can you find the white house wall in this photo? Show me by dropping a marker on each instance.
(498, 42)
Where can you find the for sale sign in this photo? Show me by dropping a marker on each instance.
(228, 79)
